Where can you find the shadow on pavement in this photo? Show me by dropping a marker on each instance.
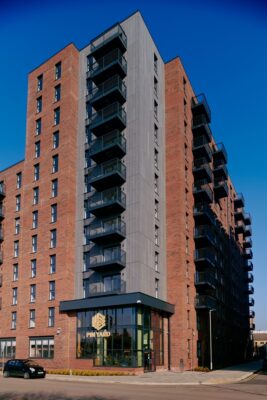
(44, 396)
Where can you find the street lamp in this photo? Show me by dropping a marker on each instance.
(210, 311)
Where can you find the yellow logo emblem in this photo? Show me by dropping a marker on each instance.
(98, 321)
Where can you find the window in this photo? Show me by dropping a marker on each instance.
(187, 293)
(53, 264)
(156, 261)
(156, 235)
(55, 164)
(156, 209)
(39, 104)
(53, 212)
(189, 348)
(16, 248)
(187, 245)
(8, 348)
(156, 134)
(37, 149)
(57, 92)
(15, 272)
(52, 290)
(18, 202)
(42, 347)
(36, 172)
(51, 316)
(32, 319)
(156, 183)
(17, 226)
(39, 83)
(54, 188)
(35, 219)
(33, 268)
(188, 318)
(155, 63)
(32, 293)
(57, 116)
(156, 158)
(155, 109)
(55, 140)
(156, 288)
(155, 86)
(185, 128)
(184, 85)
(58, 70)
(14, 296)
(38, 127)
(53, 238)
(19, 180)
(14, 320)
(34, 243)
(35, 195)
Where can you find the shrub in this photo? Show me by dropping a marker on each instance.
(79, 372)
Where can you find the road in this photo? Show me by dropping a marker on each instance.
(19, 389)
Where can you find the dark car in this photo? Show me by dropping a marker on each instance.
(23, 368)
(264, 364)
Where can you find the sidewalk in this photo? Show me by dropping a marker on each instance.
(223, 376)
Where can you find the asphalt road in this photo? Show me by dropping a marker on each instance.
(19, 389)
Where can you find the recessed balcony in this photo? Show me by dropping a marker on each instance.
(201, 148)
(239, 201)
(204, 215)
(106, 147)
(113, 63)
(100, 289)
(220, 188)
(2, 213)
(205, 302)
(248, 266)
(204, 236)
(112, 259)
(219, 154)
(108, 174)
(110, 91)
(247, 243)
(111, 201)
(202, 192)
(199, 105)
(202, 170)
(247, 254)
(200, 127)
(2, 190)
(107, 119)
(114, 38)
(204, 280)
(205, 258)
(249, 278)
(104, 232)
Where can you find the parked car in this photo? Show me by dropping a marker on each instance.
(23, 368)
(264, 364)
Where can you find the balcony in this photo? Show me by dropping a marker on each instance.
(202, 192)
(205, 302)
(240, 227)
(220, 189)
(104, 232)
(113, 63)
(247, 219)
(111, 145)
(107, 119)
(219, 154)
(250, 278)
(114, 38)
(204, 236)
(199, 105)
(108, 174)
(251, 302)
(112, 90)
(99, 289)
(2, 213)
(202, 170)
(247, 254)
(239, 214)
(2, 190)
(247, 243)
(109, 201)
(1, 234)
(113, 259)
(200, 127)
(248, 231)
(248, 266)
(250, 289)
(252, 327)
(204, 280)
(239, 201)
(251, 314)
(204, 215)
(220, 171)
(201, 148)
(205, 258)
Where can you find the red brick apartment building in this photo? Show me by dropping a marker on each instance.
(122, 235)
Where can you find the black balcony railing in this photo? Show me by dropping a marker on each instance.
(251, 302)
(239, 201)
(204, 236)
(247, 219)
(200, 127)
(204, 301)
(108, 201)
(248, 231)
(108, 146)
(239, 214)
(204, 279)
(108, 174)
(249, 266)
(250, 289)
(203, 214)
(219, 154)
(106, 231)
(200, 105)
(205, 257)
(202, 170)
(240, 227)
(220, 171)
(220, 188)
(109, 118)
(251, 314)
(113, 89)
(250, 278)
(113, 258)
(111, 64)
(247, 253)
(247, 243)
(115, 37)
(202, 192)
(99, 288)
(201, 148)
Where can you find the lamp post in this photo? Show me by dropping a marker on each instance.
(211, 363)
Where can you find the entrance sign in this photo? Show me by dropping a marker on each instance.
(98, 322)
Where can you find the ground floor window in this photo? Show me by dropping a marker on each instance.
(42, 347)
(123, 337)
(8, 348)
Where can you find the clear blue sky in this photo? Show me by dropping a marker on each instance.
(223, 45)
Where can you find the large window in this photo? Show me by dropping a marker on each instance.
(42, 347)
(8, 348)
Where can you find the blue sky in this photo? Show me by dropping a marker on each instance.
(223, 45)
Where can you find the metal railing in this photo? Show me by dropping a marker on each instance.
(106, 87)
(204, 301)
(205, 253)
(201, 100)
(107, 141)
(98, 288)
(204, 231)
(115, 31)
(106, 113)
(114, 255)
(106, 197)
(114, 56)
(100, 228)
(107, 168)
(203, 277)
